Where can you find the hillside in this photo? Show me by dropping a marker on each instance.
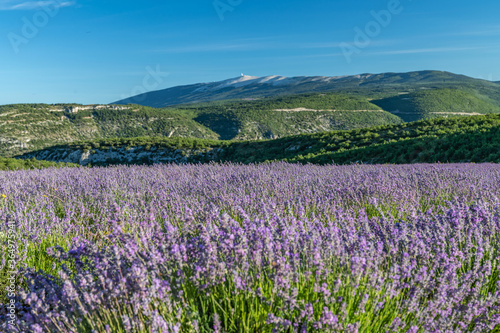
(29, 127)
(457, 139)
(372, 85)
(270, 118)
(436, 103)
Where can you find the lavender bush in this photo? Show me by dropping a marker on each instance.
(259, 248)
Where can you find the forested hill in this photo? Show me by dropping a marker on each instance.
(29, 127)
(276, 117)
(432, 103)
(458, 139)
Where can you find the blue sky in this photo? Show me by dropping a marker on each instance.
(99, 51)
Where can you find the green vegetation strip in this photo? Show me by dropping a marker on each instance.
(456, 139)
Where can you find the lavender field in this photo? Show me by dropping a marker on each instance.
(259, 248)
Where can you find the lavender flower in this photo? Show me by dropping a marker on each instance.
(255, 248)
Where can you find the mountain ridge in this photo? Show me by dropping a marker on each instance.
(253, 87)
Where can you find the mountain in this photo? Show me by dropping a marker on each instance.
(457, 139)
(373, 85)
(352, 102)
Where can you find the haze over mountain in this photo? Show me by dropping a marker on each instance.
(365, 84)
